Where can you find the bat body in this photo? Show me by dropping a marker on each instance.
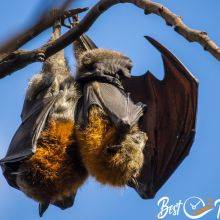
(43, 159)
(115, 126)
(108, 136)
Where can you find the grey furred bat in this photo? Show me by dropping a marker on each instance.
(42, 159)
(168, 121)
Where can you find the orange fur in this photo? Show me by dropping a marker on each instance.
(55, 170)
(114, 169)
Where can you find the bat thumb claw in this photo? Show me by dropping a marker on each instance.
(42, 208)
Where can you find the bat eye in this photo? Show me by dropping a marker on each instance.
(120, 72)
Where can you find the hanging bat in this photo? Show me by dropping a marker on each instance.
(43, 159)
(113, 125)
(107, 132)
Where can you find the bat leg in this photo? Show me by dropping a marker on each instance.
(42, 208)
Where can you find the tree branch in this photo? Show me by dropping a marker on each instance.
(148, 6)
(16, 60)
(44, 21)
(176, 21)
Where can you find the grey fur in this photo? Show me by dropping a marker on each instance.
(46, 85)
(104, 62)
(53, 80)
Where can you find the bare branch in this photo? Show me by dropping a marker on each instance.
(37, 29)
(43, 22)
(148, 6)
(176, 21)
(16, 60)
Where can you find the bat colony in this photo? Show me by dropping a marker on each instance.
(120, 129)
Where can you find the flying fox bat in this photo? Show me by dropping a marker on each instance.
(43, 159)
(133, 130)
(107, 132)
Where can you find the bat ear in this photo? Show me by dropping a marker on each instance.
(42, 208)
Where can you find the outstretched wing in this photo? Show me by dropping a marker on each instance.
(169, 120)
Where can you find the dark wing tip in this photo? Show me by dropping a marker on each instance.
(42, 208)
(150, 39)
(145, 195)
(171, 57)
(145, 192)
(155, 43)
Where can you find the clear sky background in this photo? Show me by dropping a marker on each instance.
(122, 28)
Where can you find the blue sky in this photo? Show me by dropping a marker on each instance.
(122, 28)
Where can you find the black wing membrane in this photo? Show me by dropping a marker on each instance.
(169, 121)
(23, 144)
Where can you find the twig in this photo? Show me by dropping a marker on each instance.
(176, 21)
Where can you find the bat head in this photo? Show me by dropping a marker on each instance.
(94, 61)
(104, 62)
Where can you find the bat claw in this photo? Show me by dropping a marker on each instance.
(42, 208)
